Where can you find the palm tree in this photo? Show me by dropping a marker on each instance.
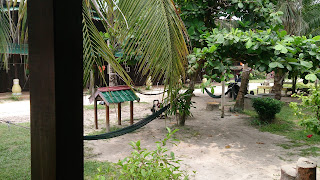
(311, 15)
(150, 29)
(4, 37)
(301, 17)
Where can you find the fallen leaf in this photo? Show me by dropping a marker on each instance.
(227, 147)
(259, 142)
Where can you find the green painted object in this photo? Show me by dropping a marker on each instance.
(119, 96)
(16, 49)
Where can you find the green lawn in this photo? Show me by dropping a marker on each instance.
(285, 124)
(15, 154)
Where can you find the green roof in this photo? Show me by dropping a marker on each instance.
(119, 96)
(16, 49)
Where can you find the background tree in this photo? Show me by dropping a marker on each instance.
(4, 36)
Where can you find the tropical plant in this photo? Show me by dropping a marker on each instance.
(267, 108)
(301, 17)
(150, 29)
(145, 164)
(311, 15)
(267, 50)
(4, 36)
(308, 110)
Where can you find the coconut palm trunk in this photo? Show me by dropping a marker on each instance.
(278, 83)
(239, 106)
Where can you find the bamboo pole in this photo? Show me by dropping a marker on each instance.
(107, 119)
(119, 113)
(95, 113)
(131, 112)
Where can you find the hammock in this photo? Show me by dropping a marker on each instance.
(148, 94)
(128, 129)
(211, 95)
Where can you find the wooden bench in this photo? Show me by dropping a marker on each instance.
(285, 89)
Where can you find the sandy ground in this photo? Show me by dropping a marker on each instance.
(216, 148)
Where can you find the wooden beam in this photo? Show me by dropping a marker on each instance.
(131, 112)
(55, 61)
(119, 113)
(107, 119)
(95, 113)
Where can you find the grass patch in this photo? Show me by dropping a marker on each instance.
(91, 168)
(15, 155)
(286, 125)
(15, 162)
(312, 151)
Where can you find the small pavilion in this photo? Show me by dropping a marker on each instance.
(113, 95)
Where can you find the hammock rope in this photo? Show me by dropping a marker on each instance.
(128, 129)
(148, 94)
(211, 95)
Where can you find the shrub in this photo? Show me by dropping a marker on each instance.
(267, 108)
(145, 164)
(308, 111)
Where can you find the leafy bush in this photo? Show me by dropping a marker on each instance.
(308, 110)
(145, 164)
(267, 108)
(257, 75)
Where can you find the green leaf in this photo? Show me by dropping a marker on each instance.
(172, 155)
(316, 38)
(249, 44)
(283, 33)
(278, 47)
(289, 67)
(275, 64)
(143, 173)
(212, 49)
(312, 53)
(311, 77)
(306, 64)
(240, 5)
(220, 39)
(281, 48)
(262, 68)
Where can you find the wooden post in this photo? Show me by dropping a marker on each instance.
(223, 97)
(131, 112)
(95, 113)
(119, 113)
(55, 62)
(107, 119)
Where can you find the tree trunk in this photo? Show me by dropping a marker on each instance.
(243, 89)
(112, 77)
(306, 169)
(278, 83)
(294, 84)
(190, 90)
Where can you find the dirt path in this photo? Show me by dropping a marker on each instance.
(228, 148)
(215, 148)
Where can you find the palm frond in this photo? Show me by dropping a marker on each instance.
(4, 37)
(158, 35)
(311, 14)
(96, 49)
